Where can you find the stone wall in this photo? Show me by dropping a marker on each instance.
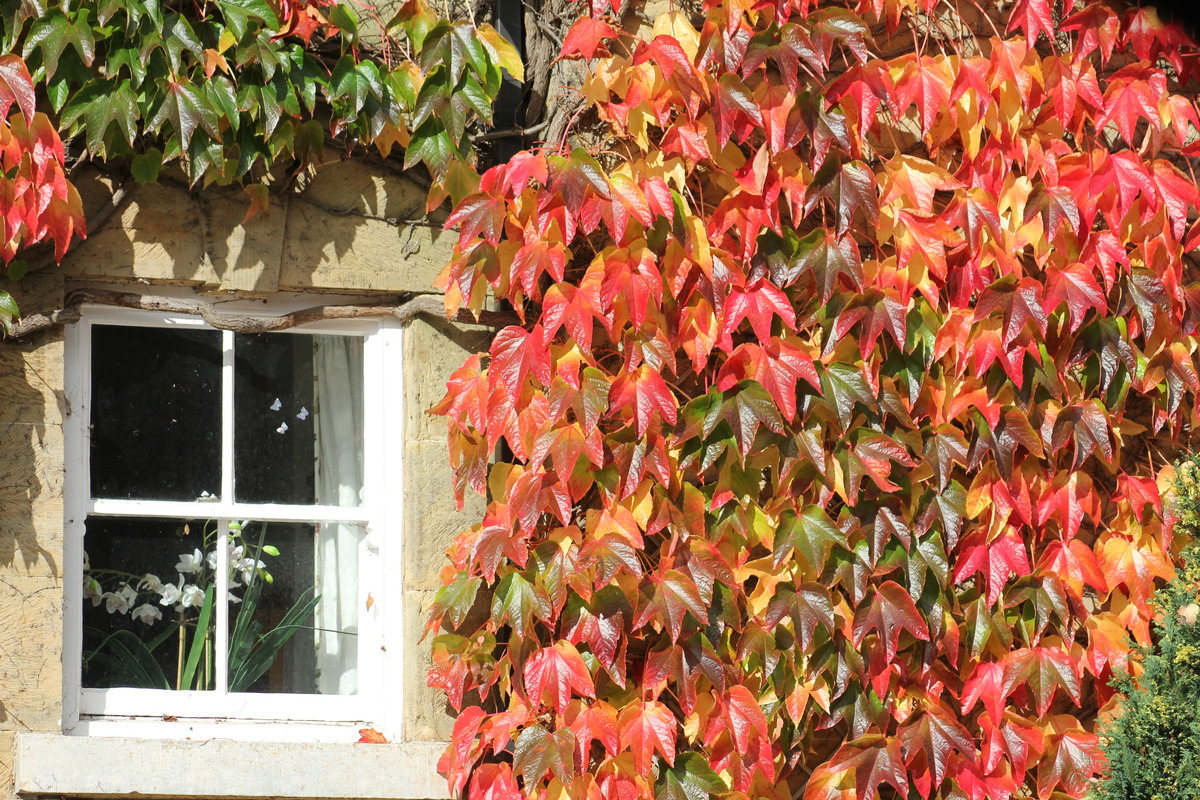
(343, 230)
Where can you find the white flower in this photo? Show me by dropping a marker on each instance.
(190, 563)
(170, 594)
(151, 582)
(303, 413)
(212, 560)
(233, 598)
(129, 593)
(276, 405)
(282, 428)
(192, 595)
(247, 566)
(116, 603)
(87, 561)
(92, 590)
(146, 613)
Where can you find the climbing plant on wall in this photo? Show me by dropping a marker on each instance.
(231, 91)
(856, 337)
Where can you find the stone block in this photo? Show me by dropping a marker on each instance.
(31, 459)
(220, 769)
(8, 743)
(433, 349)
(156, 236)
(31, 633)
(353, 253)
(431, 518)
(427, 715)
(38, 292)
(31, 380)
(244, 253)
(32, 540)
(347, 187)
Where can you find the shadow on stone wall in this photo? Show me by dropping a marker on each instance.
(32, 407)
(348, 227)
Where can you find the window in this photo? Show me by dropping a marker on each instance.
(226, 495)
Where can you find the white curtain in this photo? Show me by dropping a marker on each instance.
(338, 366)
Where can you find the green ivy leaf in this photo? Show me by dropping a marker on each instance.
(258, 9)
(691, 778)
(146, 166)
(430, 144)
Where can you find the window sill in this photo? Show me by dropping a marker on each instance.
(81, 766)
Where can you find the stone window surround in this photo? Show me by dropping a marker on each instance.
(94, 767)
(66, 765)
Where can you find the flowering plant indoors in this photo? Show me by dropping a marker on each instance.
(135, 655)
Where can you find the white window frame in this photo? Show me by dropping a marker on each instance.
(253, 716)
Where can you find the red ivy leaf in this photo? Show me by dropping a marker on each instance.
(557, 674)
(647, 727)
(889, 612)
(586, 38)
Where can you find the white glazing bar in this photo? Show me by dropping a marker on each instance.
(222, 603)
(227, 418)
(263, 512)
(221, 598)
(75, 482)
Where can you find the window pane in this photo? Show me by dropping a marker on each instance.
(295, 632)
(144, 579)
(298, 419)
(156, 413)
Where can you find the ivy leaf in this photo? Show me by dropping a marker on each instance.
(808, 606)
(1033, 17)
(146, 166)
(996, 560)
(586, 38)
(647, 727)
(690, 778)
(827, 256)
(643, 393)
(673, 596)
(537, 751)
(516, 602)
(760, 302)
(455, 599)
(810, 534)
(937, 735)
(929, 555)
(432, 145)
(518, 355)
(556, 674)
(502, 51)
(890, 611)
(1043, 670)
(118, 106)
(16, 86)
(187, 109)
(1071, 760)
(845, 385)
(258, 9)
(747, 408)
(53, 33)
(873, 760)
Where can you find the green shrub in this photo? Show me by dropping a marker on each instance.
(1153, 744)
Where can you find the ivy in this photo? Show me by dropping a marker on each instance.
(854, 350)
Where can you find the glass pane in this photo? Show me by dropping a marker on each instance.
(294, 608)
(298, 419)
(145, 585)
(156, 413)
